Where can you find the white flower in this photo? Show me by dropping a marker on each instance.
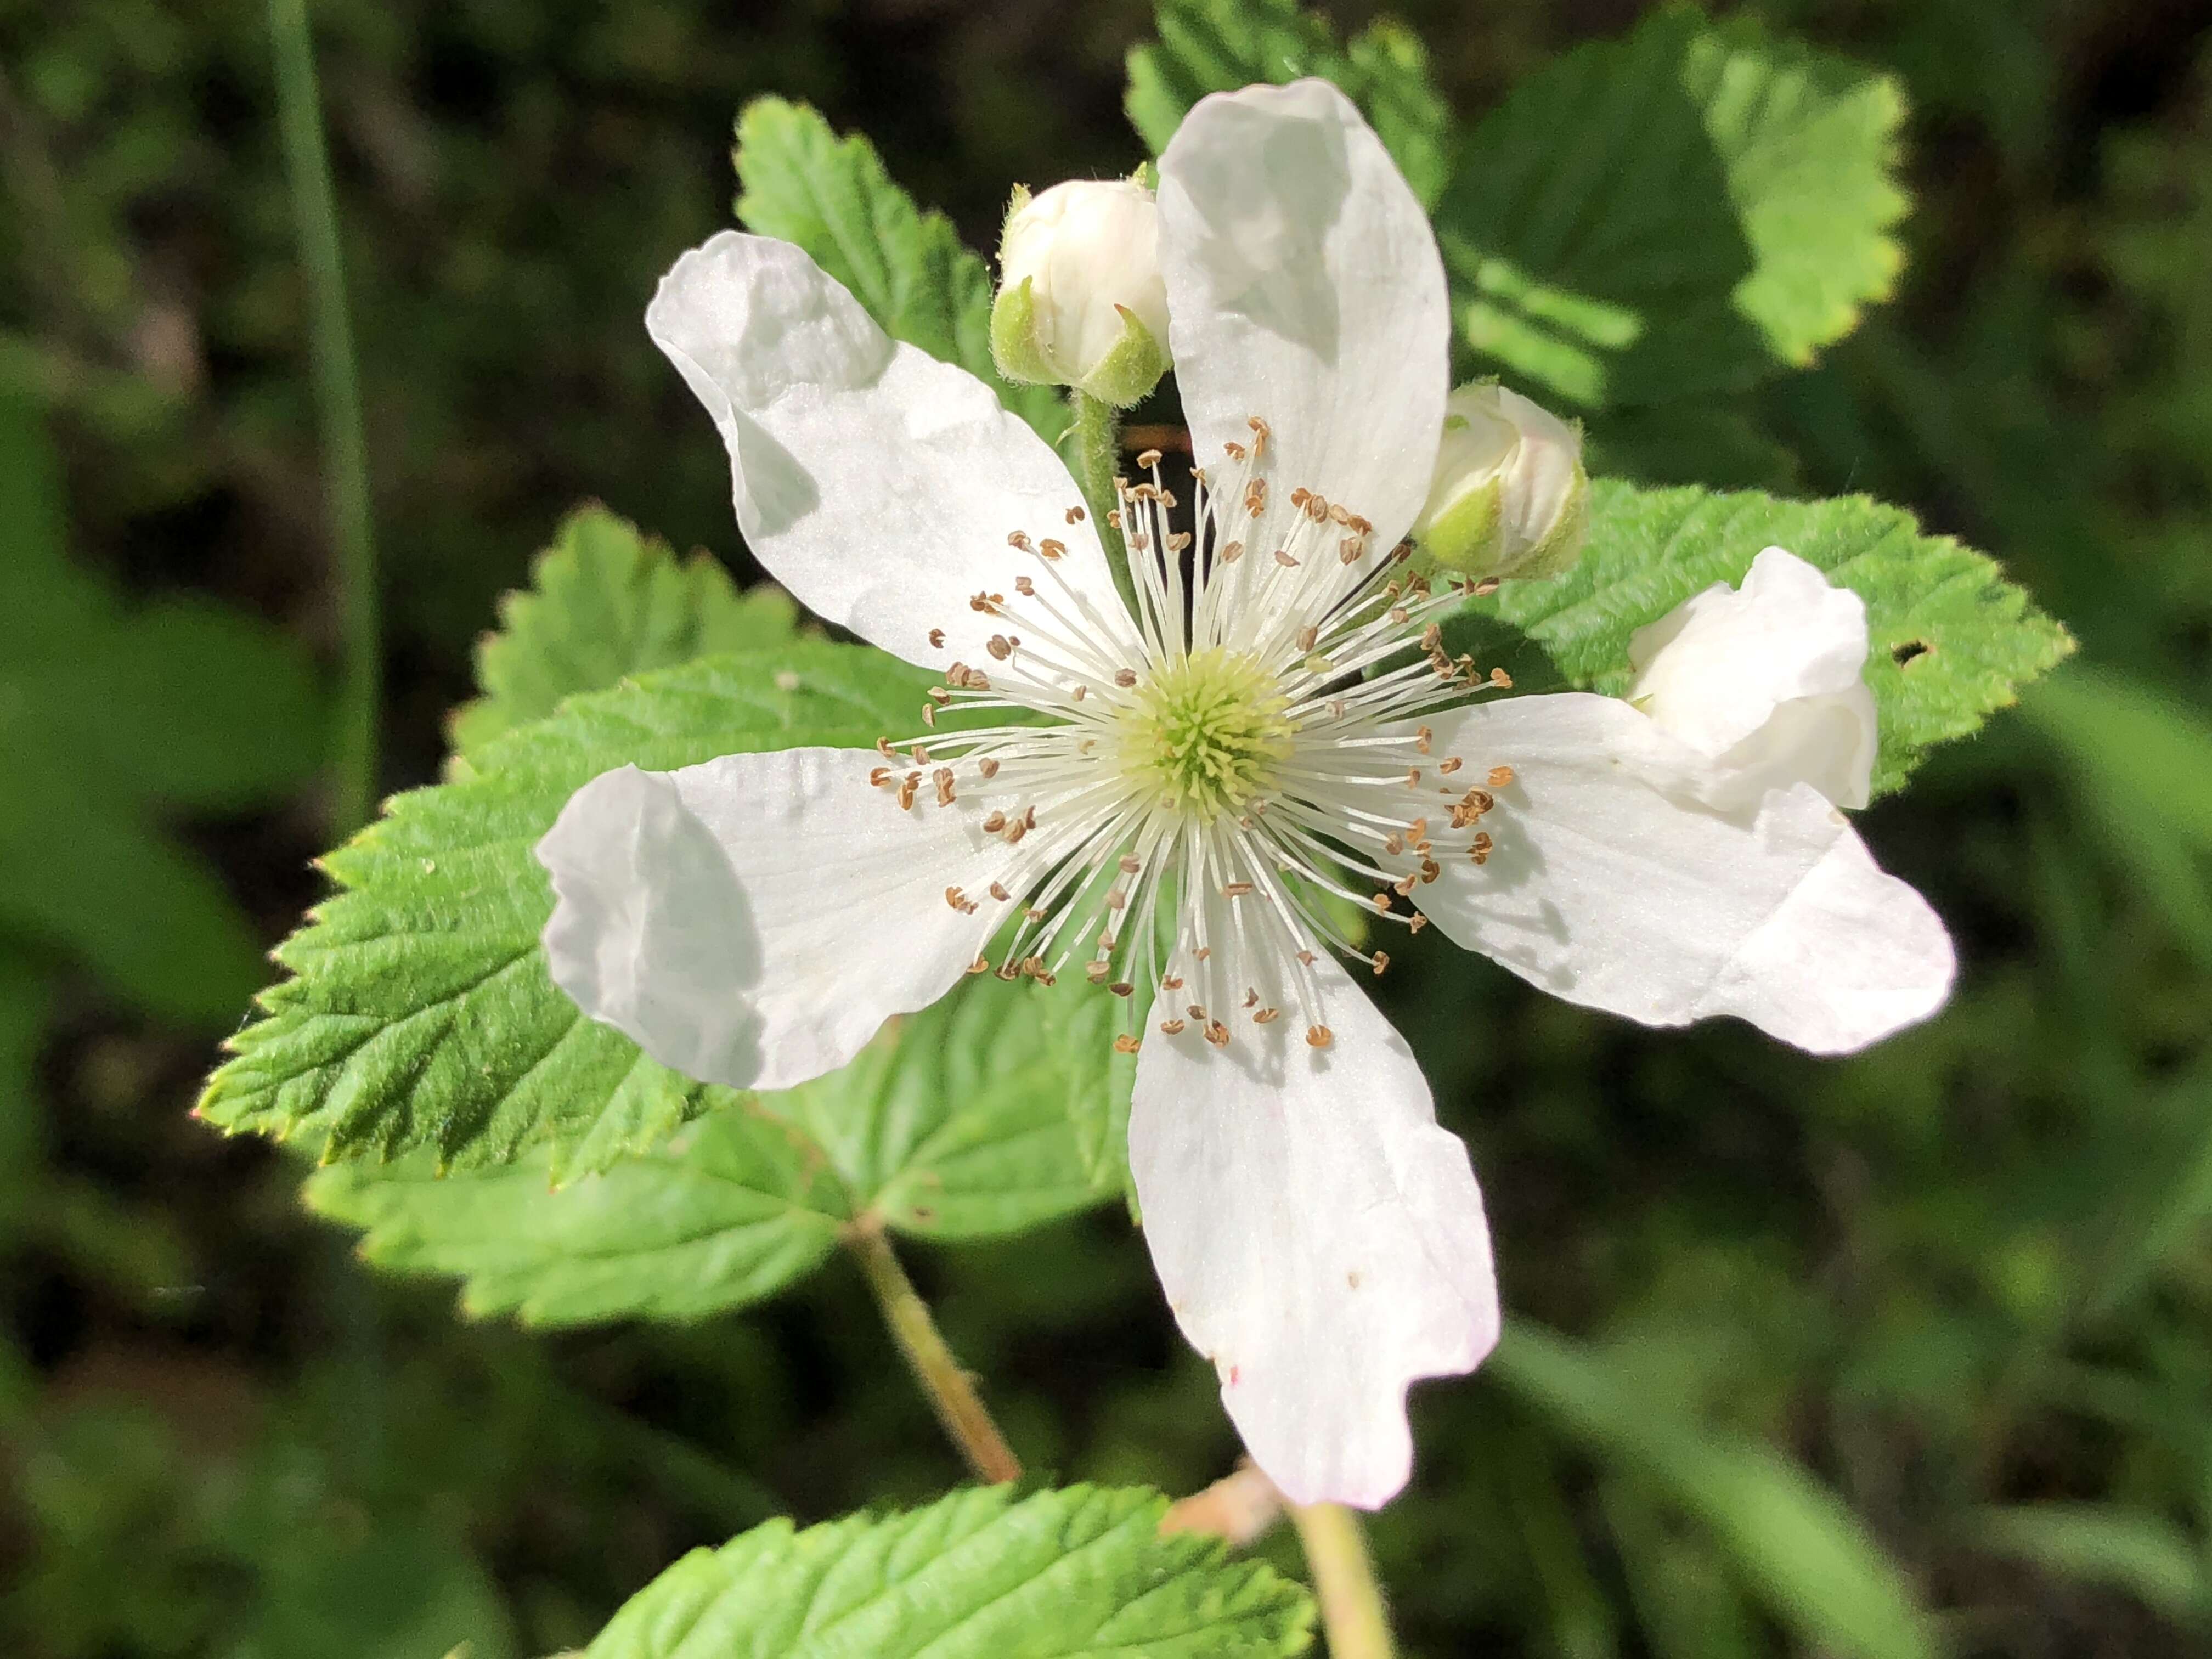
(1081, 301)
(1212, 769)
(1508, 496)
(1764, 680)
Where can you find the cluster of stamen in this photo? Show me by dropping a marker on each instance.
(1217, 765)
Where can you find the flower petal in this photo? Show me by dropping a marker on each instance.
(754, 920)
(1304, 287)
(1320, 1238)
(1615, 883)
(1767, 675)
(877, 483)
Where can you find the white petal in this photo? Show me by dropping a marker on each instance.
(1320, 1238)
(1719, 670)
(754, 920)
(1304, 287)
(1614, 884)
(874, 481)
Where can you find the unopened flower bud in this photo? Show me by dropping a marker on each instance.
(1081, 301)
(1509, 497)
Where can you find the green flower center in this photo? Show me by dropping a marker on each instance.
(1208, 732)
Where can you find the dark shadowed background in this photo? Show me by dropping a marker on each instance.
(1966, 1272)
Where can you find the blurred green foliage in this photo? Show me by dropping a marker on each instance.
(1962, 1283)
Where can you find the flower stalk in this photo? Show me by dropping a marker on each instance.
(1353, 1615)
(1093, 447)
(338, 400)
(951, 1390)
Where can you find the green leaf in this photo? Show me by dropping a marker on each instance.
(2146, 1555)
(1678, 212)
(421, 1014)
(1218, 45)
(1082, 1571)
(606, 602)
(1806, 1555)
(110, 718)
(831, 196)
(970, 1119)
(1950, 640)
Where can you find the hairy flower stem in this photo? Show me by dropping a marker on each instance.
(1094, 455)
(1352, 1611)
(337, 399)
(952, 1391)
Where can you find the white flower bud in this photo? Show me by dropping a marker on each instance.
(1081, 300)
(1510, 497)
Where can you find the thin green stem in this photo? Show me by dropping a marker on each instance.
(337, 403)
(1352, 1611)
(952, 1391)
(1094, 436)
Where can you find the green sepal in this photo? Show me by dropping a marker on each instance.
(1128, 371)
(1463, 538)
(1556, 554)
(1014, 345)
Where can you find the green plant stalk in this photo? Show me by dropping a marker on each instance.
(1352, 1611)
(338, 401)
(1094, 439)
(952, 1391)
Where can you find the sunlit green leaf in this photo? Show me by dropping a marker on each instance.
(606, 602)
(2146, 1555)
(1066, 1574)
(1950, 640)
(1680, 211)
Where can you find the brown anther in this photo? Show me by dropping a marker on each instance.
(1202, 952)
(1267, 1015)
(1308, 957)
(1501, 777)
(1172, 1028)
(1431, 870)
(960, 902)
(957, 675)
(929, 714)
(999, 892)
(1485, 587)
(1015, 831)
(1235, 889)
(906, 794)
(1131, 863)
(1260, 431)
(1050, 548)
(1417, 583)
(1018, 539)
(1172, 983)
(1360, 525)
(880, 778)
(1034, 967)
(1009, 970)
(1413, 775)
(1125, 1044)
(884, 748)
(1318, 509)
(1393, 843)
(1237, 450)
(1122, 988)
(1114, 518)
(999, 647)
(937, 638)
(1251, 998)
(1256, 497)
(1125, 677)
(921, 755)
(1196, 1011)
(1381, 903)
(1399, 616)
(987, 766)
(995, 822)
(943, 779)
(1340, 514)
(1030, 912)
(1416, 922)
(1300, 496)
(1432, 637)
(1149, 459)
(1501, 679)
(1231, 551)
(1144, 492)
(1449, 764)
(1029, 818)
(1217, 1033)
(1349, 550)
(1285, 560)
(1179, 541)
(1107, 942)
(938, 695)
(1117, 900)
(980, 965)
(978, 681)
(1079, 693)
(1403, 551)
(1479, 849)
(1098, 971)
(1319, 1037)
(1379, 961)
(1025, 588)
(1403, 887)
(1075, 515)
(1422, 737)
(1308, 637)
